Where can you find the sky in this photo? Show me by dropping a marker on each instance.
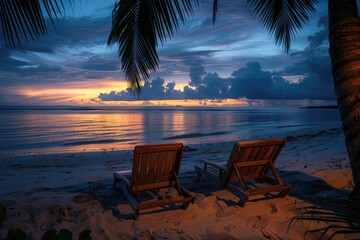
(234, 63)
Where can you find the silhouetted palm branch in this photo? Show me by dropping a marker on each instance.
(24, 19)
(215, 8)
(137, 26)
(282, 18)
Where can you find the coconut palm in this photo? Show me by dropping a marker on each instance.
(344, 40)
(138, 26)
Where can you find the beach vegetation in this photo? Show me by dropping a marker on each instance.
(65, 234)
(139, 26)
(85, 235)
(16, 234)
(52, 234)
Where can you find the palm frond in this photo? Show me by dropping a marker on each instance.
(282, 18)
(23, 20)
(215, 8)
(344, 214)
(137, 26)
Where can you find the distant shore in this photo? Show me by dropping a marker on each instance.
(322, 107)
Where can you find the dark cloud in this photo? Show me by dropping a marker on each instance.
(320, 38)
(74, 52)
(251, 82)
(10, 64)
(101, 63)
(213, 87)
(316, 65)
(185, 55)
(196, 72)
(152, 90)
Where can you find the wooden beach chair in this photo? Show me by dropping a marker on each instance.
(155, 167)
(248, 161)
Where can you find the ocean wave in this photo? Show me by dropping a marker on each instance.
(195, 135)
(296, 125)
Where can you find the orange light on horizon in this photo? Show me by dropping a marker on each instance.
(86, 93)
(242, 102)
(69, 93)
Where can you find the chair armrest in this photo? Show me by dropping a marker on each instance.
(122, 176)
(126, 172)
(215, 164)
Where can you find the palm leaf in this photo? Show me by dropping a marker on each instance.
(137, 26)
(22, 20)
(344, 214)
(215, 8)
(282, 18)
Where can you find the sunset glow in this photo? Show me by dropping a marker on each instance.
(202, 65)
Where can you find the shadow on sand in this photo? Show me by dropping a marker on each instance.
(306, 188)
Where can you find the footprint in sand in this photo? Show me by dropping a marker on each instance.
(257, 223)
(229, 227)
(59, 213)
(219, 234)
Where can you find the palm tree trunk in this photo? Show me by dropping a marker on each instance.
(344, 40)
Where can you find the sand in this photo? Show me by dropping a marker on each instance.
(74, 191)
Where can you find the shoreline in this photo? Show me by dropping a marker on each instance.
(74, 191)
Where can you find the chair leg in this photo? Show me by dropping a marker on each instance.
(114, 184)
(136, 214)
(241, 203)
(243, 196)
(243, 199)
(198, 174)
(130, 199)
(198, 177)
(285, 192)
(185, 205)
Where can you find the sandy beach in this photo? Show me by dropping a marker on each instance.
(74, 191)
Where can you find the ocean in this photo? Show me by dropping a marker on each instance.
(67, 129)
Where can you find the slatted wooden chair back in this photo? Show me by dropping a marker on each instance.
(253, 159)
(155, 166)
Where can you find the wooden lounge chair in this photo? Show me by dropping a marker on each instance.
(155, 167)
(252, 160)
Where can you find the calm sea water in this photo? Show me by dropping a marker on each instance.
(48, 130)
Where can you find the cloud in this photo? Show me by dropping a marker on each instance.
(313, 72)
(152, 90)
(196, 72)
(214, 87)
(233, 59)
(10, 64)
(75, 51)
(251, 82)
(101, 63)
